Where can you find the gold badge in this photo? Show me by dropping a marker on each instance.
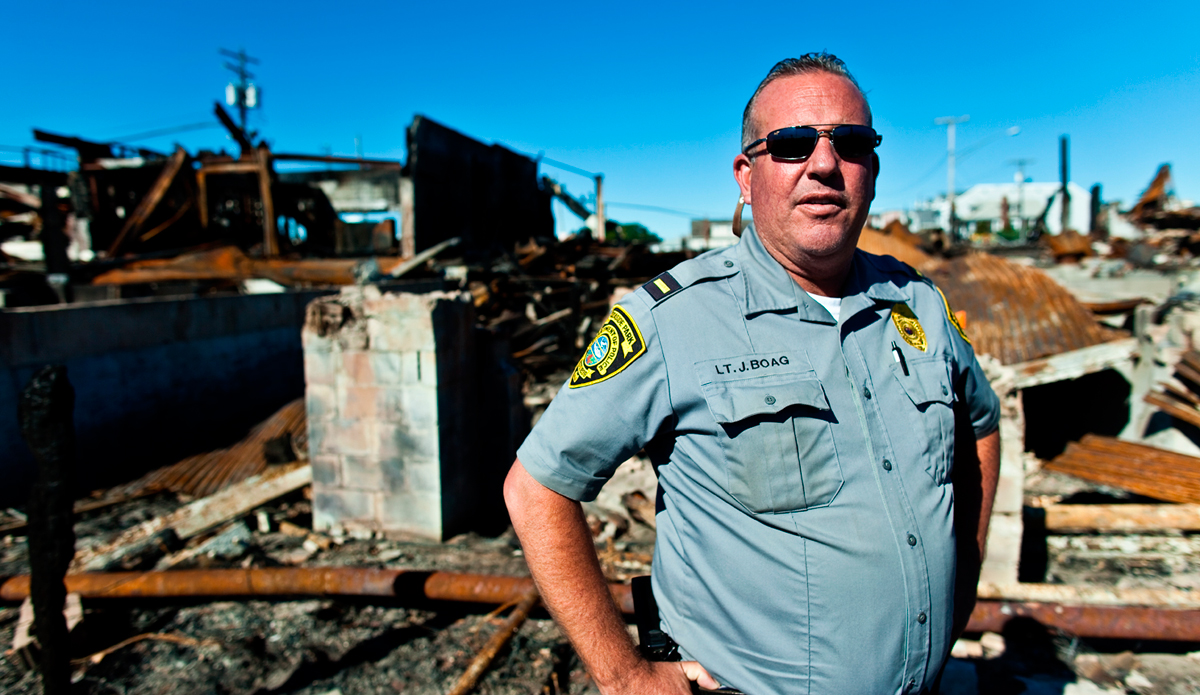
(908, 326)
(614, 348)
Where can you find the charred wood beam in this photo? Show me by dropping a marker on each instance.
(367, 163)
(466, 682)
(89, 150)
(151, 201)
(29, 176)
(234, 131)
(46, 412)
(1125, 518)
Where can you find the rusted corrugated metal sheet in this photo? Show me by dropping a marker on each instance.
(1015, 313)
(1139, 468)
(204, 474)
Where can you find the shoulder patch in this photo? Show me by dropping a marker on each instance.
(950, 315)
(661, 286)
(618, 343)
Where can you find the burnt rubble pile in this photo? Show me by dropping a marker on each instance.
(224, 570)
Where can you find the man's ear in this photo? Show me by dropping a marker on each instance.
(875, 161)
(741, 172)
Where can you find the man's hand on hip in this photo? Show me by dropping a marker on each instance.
(663, 678)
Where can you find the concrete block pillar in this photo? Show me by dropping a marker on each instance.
(391, 394)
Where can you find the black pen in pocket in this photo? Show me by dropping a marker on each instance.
(899, 357)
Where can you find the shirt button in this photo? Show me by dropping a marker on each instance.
(912, 682)
(728, 264)
(912, 540)
(921, 618)
(945, 391)
(866, 393)
(769, 400)
(887, 465)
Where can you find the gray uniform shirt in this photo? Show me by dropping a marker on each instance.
(805, 517)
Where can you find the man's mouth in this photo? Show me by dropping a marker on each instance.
(822, 203)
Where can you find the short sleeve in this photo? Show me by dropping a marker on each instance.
(983, 406)
(614, 403)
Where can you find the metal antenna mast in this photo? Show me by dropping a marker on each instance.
(243, 94)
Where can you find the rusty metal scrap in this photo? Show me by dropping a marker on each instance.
(300, 581)
(1118, 622)
(204, 474)
(1016, 314)
(1138, 468)
(231, 264)
(902, 247)
(1106, 622)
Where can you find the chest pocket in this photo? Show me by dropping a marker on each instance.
(778, 441)
(929, 387)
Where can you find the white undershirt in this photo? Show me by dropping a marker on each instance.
(832, 304)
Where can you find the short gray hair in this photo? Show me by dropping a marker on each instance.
(790, 67)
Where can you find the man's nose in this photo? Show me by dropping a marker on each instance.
(823, 161)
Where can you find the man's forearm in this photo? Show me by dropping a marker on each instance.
(975, 481)
(562, 558)
(987, 451)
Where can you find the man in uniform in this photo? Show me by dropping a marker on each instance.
(824, 438)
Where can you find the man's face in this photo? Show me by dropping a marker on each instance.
(808, 214)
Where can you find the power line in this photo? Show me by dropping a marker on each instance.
(167, 131)
(657, 208)
(563, 165)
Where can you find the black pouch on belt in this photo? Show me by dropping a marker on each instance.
(653, 643)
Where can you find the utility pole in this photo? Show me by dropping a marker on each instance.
(950, 122)
(1021, 164)
(600, 224)
(243, 94)
(1064, 176)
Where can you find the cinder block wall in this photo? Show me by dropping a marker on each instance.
(156, 379)
(393, 389)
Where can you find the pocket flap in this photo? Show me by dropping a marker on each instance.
(733, 401)
(927, 381)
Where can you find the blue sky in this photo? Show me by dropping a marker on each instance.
(650, 94)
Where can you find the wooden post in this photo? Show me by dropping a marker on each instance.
(270, 243)
(600, 223)
(46, 412)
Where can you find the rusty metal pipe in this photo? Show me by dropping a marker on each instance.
(298, 581)
(1107, 622)
(1113, 622)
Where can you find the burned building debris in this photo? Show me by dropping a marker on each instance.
(298, 491)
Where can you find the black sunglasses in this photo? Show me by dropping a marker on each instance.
(796, 143)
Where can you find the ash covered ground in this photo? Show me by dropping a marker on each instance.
(324, 646)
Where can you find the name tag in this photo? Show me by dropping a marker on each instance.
(757, 365)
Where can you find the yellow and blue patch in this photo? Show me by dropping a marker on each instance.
(617, 344)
